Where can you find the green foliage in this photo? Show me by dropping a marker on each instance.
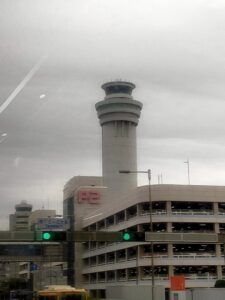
(220, 283)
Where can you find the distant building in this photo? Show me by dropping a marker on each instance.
(113, 202)
(40, 214)
(49, 273)
(41, 274)
(19, 221)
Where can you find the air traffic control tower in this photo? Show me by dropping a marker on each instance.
(119, 114)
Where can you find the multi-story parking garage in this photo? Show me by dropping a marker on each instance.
(176, 208)
(113, 202)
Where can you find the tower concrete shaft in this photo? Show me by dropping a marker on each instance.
(119, 114)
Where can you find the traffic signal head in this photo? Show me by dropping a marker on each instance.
(127, 236)
(53, 236)
(132, 236)
(46, 236)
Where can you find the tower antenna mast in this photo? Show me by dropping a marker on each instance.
(188, 170)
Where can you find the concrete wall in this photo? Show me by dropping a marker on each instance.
(76, 217)
(206, 294)
(119, 152)
(134, 293)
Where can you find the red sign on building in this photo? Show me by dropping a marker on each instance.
(88, 196)
(177, 283)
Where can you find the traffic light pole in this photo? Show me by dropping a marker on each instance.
(30, 237)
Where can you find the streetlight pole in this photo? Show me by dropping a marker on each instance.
(148, 172)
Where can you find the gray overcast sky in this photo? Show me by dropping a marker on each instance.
(173, 50)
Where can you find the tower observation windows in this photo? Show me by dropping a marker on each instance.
(114, 89)
(23, 209)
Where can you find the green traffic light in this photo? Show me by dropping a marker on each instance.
(126, 236)
(46, 236)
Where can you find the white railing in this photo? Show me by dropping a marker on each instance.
(182, 256)
(154, 212)
(122, 279)
(203, 256)
(200, 277)
(187, 212)
(155, 256)
(192, 212)
(221, 213)
(157, 277)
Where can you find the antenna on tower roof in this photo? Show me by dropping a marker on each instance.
(160, 178)
(188, 169)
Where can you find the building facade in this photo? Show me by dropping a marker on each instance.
(114, 202)
(37, 274)
(176, 208)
